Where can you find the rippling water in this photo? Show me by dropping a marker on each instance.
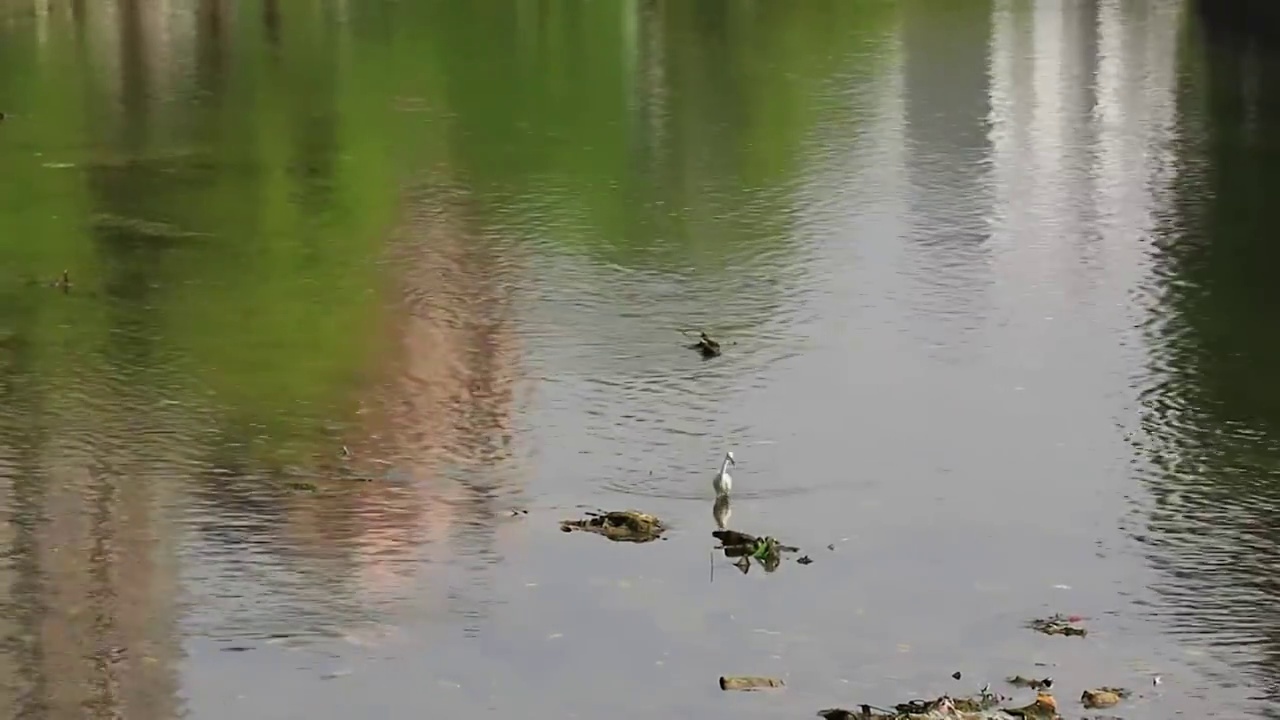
(358, 315)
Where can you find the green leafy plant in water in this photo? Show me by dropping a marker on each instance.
(764, 548)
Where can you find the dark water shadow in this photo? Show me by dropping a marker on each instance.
(946, 94)
(1211, 405)
(90, 601)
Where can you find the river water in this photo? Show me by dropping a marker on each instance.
(367, 297)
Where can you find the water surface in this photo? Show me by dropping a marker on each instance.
(993, 281)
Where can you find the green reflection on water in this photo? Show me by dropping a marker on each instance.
(220, 183)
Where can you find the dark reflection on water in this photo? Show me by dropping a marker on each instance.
(1211, 421)
(23, 683)
(947, 136)
(349, 296)
(89, 599)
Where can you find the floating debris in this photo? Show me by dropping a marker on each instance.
(1103, 697)
(733, 537)
(975, 704)
(1044, 708)
(842, 714)
(745, 547)
(63, 282)
(706, 346)
(302, 486)
(1034, 684)
(747, 682)
(619, 526)
(1058, 625)
(956, 675)
(983, 706)
(805, 560)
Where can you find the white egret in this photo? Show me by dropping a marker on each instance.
(722, 483)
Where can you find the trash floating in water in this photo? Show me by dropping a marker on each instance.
(708, 347)
(61, 282)
(1034, 684)
(1044, 707)
(748, 682)
(1059, 625)
(983, 706)
(805, 560)
(745, 547)
(619, 526)
(1103, 697)
(705, 345)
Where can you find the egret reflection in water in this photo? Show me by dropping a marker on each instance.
(721, 511)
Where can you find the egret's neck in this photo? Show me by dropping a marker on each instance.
(724, 466)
